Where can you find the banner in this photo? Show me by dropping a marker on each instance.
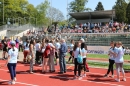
(98, 49)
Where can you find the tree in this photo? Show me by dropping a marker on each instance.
(113, 8)
(128, 12)
(78, 6)
(13, 9)
(41, 13)
(120, 9)
(55, 14)
(99, 7)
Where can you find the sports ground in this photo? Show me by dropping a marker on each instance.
(94, 77)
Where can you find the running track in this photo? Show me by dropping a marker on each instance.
(94, 77)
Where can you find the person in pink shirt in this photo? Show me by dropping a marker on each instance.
(17, 43)
(8, 44)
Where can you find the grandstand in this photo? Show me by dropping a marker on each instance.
(92, 17)
(101, 39)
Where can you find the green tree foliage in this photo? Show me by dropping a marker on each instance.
(120, 9)
(41, 13)
(13, 9)
(99, 7)
(78, 6)
(21, 12)
(113, 8)
(128, 12)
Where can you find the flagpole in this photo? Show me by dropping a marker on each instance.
(51, 11)
(67, 12)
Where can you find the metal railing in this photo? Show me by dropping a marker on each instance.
(99, 39)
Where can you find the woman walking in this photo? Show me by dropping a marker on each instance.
(32, 54)
(12, 61)
(111, 60)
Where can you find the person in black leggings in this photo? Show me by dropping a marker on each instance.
(76, 64)
(57, 46)
(5, 50)
(111, 60)
(71, 51)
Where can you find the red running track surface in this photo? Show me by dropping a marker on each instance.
(94, 77)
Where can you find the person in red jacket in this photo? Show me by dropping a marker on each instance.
(46, 55)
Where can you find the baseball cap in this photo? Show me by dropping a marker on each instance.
(12, 43)
(82, 40)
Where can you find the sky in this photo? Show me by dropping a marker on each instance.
(62, 4)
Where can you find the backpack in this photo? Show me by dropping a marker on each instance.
(80, 58)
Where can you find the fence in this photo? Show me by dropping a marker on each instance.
(99, 39)
(94, 39)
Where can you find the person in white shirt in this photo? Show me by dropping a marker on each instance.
(26, 50)
(43, 46)
(76, 52)
(127, 51)
(119, 60)
(21, 45)
(12, 61)
(71, 51)
(84, 55)
(111, 60)
(38, 51)
(57, 46)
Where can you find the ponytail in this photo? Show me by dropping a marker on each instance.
(13, 47)
(27, 45)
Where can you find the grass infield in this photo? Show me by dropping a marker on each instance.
(104, 56)
(105, 65)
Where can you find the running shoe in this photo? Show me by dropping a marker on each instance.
(80, 78)
(124, 79)
(118, 80)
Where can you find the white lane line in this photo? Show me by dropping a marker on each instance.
(21, 83)
(87, 81)
(102, 74)
(68, 68)
(28, 73)
(71, 78)
(103, 83)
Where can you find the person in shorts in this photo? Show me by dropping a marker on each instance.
(5, 50)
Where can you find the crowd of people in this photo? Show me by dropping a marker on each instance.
(81, 28)
(43, 52)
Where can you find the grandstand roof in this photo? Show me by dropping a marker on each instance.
(93, 15)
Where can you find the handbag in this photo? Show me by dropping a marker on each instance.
(80, 58)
